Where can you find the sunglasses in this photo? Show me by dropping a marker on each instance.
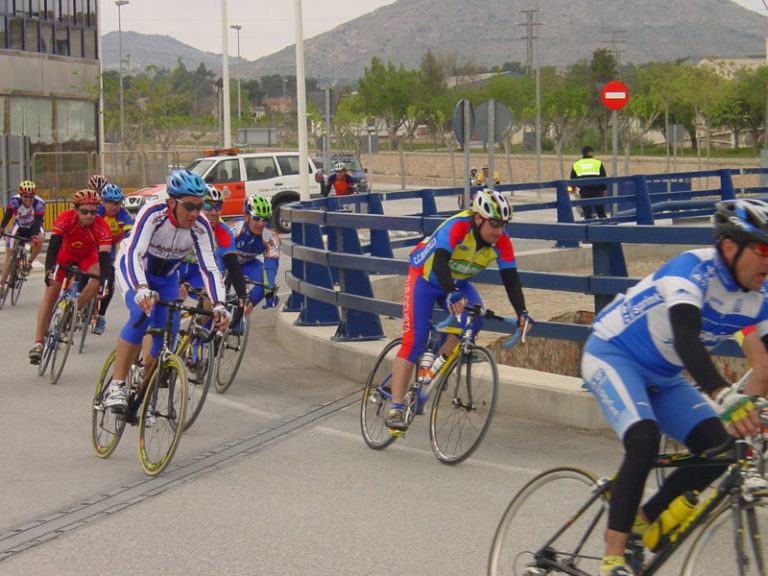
(212, 207)
(86, 212)
(759, 249)
(192, 206)
(259, 219)
(27, 195)
(495, 223)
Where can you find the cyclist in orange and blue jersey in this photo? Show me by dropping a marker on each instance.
(120, 223)
(440, 268)
(341, 182)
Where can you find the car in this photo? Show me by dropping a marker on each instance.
(354, 168)
(274, 175)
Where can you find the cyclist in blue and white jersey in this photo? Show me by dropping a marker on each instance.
(163, 234)
(28, 211)
(641, 342)
(255, 237)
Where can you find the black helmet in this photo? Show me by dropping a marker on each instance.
(586, 150)
(743, 220)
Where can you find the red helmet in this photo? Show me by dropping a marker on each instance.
(86, 197)
(97, 182)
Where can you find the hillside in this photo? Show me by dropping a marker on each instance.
(490, 32)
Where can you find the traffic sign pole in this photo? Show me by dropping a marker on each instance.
(615, 96)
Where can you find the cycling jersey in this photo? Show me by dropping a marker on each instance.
(79, 244)
(342, 185)
(224, 243)
(120, 225)
(28, 221)
(249, 246)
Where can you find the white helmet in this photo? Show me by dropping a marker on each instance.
(491, 204)
(339, 167)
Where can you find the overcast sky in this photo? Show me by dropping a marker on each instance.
(267, 25)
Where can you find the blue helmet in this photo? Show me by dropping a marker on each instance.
(185, 183)
(112, 193)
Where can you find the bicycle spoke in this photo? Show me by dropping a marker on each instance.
(229, 355)
(107, 425)
(374, 407)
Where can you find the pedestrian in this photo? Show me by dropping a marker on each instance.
(590, 167)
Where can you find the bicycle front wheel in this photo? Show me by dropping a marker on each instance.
(377, 397)
(107, 425)
(229, 356)
(87, 316)
(161, 419)
(197, 356)
(720, 549)
(554, 525)
(463, 406)
(63, 337)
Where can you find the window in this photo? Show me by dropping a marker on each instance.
(260, 168)
(75, 42)
(288, 164)
(35, 8)
(89, 44)
(32, 117)
(65, 13)
(225, 171)
(62, 40)
(3, 35)
(76, 120)
(46, 38)
(30, 39)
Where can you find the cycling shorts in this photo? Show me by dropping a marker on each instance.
(84, 263)
(419, 298)
(628, 392)
(189, 272)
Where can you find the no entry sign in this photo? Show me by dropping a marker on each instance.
(615, 95)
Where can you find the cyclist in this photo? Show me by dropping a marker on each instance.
(481, 179)
(440, 268)
(148, 261)
(120, 223)
(340, 181)
(97, 182)
(28, 211)
(255, 237)
(79, 236)
(640, 344)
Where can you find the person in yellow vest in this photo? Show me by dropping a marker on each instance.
(590, 167)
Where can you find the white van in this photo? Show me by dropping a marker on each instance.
(274, 175)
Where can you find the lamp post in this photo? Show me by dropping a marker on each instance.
(120, 4)
(237, 28)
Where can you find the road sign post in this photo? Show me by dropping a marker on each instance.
(615, 96)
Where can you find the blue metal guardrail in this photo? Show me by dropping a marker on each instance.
(326, 250)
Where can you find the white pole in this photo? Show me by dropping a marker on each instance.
(120, 4)
(100, 125)
(237, 28)
(227, 124)
(301, 103)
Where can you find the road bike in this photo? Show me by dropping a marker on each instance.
(157, 400)
(465, 392)
(64, 323)
(88, 315)
(555, 523)
(17, 266)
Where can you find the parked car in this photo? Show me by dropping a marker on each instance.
(354, 168)
(274, 175)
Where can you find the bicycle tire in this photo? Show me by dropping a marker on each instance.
(16, 280)
(229, 356)
(87, 317)
(527, 543)
(198, 372)
(713, 550)
(464, 403)
(9, 284)
(64, 337)
(107, 425)
(165, 400)
(48, 343)
(374, 406)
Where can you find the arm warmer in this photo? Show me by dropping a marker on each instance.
(232, 264)
(105, 266)
(53, 250)
(686, 331)
(514, 290)
(38, 223)
(442, 270)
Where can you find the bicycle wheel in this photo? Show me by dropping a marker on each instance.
(667, 445)
(49, 340)
(196, 354)
(10, 282)
(553, 525)
(87, 317)
(63, 340)
(17, 278)
(377, 397)
(107, 425)
(714, 549)
(229, 356)
(162, 415)
(463, 406)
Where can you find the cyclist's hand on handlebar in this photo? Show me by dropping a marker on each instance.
(738, 412)
(145, 299)
(49, 278)
(455, 302)
(220, 316)
(271, 300)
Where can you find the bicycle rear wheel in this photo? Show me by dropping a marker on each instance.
(161, 419)
(553, 525)
(229, 355)
(463, 406)
(49, 340)
(87, 317)
(64, 336)
(714, 550)
(377, 396)
(17, 278)
(197, 356)
(107, 425)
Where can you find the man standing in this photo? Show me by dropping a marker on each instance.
(590, 167)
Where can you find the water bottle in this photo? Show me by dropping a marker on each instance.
(679, 510)
(425, 363)
(436, 365)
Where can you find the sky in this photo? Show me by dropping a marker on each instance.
(267, 25)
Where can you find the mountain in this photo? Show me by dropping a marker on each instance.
(490, 32)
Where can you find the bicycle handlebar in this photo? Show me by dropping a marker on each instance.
(487, 314)
(74, 269)
(176, 306)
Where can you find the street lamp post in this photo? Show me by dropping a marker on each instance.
(237, 28)
(120, 4)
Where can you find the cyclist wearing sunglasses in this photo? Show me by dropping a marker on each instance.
(440, 269)
(79, 236)
(147, 267)
(120, 223)
(640, 345)
(28, 212)
(255, 237)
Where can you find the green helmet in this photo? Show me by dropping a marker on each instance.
(258, 207)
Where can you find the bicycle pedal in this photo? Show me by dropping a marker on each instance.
(398, 433)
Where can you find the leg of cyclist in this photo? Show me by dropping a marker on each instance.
(44, 311)
(109, 292)
(36, 247)
(755, 351)
(254, 270)
(90, 289)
